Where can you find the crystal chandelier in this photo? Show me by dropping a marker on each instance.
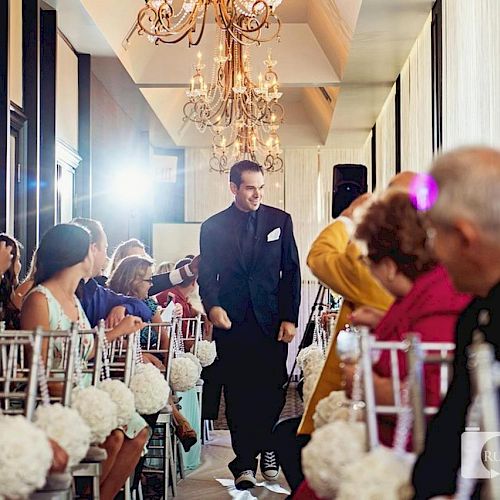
(170, 21)
(243, 115)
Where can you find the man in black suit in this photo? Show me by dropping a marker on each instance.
(249, 279)
(466, 238)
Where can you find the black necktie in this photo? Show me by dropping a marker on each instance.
(248, 238)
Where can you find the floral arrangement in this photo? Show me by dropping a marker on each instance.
(369, 476)
(25, 459)
(122, 396)
(183, 374)
(67, 428)
(309, 357)
(334, 407)
(97, 410)
(150, 389)
(206, 352)
(330, 449)
(194, 359)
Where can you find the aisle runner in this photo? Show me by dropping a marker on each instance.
(246, 494)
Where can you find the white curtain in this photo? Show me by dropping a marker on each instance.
(471, 72)
(416, 105)
(386, 142)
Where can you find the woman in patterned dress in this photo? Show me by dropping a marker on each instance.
(64, 258)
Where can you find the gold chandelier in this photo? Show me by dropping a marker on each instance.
(243, 116)
(170, 21)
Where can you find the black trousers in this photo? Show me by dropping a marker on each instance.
(253, 373)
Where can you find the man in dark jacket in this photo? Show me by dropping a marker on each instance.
(249, 281)
(465, 235)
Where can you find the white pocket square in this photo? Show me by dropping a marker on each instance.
(274, 234)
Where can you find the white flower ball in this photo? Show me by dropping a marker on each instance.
(25, 457)
(122, 396)
(330, 449)
(65, 426)
(183, 374)
(206, 352)
(310, 381)
(333, 407)
(368, 476)
(150, 389)
(194, 359)
(98, 410)
(310, 355)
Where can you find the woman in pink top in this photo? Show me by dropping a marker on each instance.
(426, 303)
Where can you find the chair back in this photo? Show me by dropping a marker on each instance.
(191, 330)
(158, 340)
(407, 391)
(420, 355)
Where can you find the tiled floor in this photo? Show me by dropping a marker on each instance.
(201, 484)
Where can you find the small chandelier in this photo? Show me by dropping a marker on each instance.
(242, 115)
(242, 19)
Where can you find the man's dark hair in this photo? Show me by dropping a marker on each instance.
(243, 166)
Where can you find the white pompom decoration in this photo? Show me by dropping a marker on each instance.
(310, 381)
(194, 359)
(25, 459)
(122, 396)
(98, 410)
(206, 352)
(368, 477)
(330, 449)
(67, 428)
(311, 360)
(183, 374)
(150, 389)
(333, 407)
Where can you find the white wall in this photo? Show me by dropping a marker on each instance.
(172, 242)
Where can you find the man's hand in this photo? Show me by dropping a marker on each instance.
(287, 332)
(366, 316)
(358, 202)
(5, 257)
(115, 316)
(59, 458)
(178, 311)
(194, 265)
(218, 316)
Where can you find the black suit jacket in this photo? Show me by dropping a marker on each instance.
(436, 469)
(270, 283)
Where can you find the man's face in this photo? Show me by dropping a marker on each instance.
(248, 196)
(100, 252)
(447, 244)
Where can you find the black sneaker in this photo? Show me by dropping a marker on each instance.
(245, 480)
(269, 465)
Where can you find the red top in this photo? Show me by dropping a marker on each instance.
(187, 309)
(431, 309)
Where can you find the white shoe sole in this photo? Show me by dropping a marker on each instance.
(270, 477)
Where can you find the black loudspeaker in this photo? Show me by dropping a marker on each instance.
(349, 182)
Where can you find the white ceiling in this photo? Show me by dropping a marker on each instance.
(355, 48)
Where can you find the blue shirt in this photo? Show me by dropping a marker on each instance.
(98, 301)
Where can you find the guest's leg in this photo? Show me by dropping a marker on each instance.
(125, 463)
(112, 445)
(289, 449)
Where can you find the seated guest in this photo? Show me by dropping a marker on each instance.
(132, 277)
(5, 257)
(99, 302)
(9, 310)
(426, 302)
(65, 257)
(163, 279)
(465, 236)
